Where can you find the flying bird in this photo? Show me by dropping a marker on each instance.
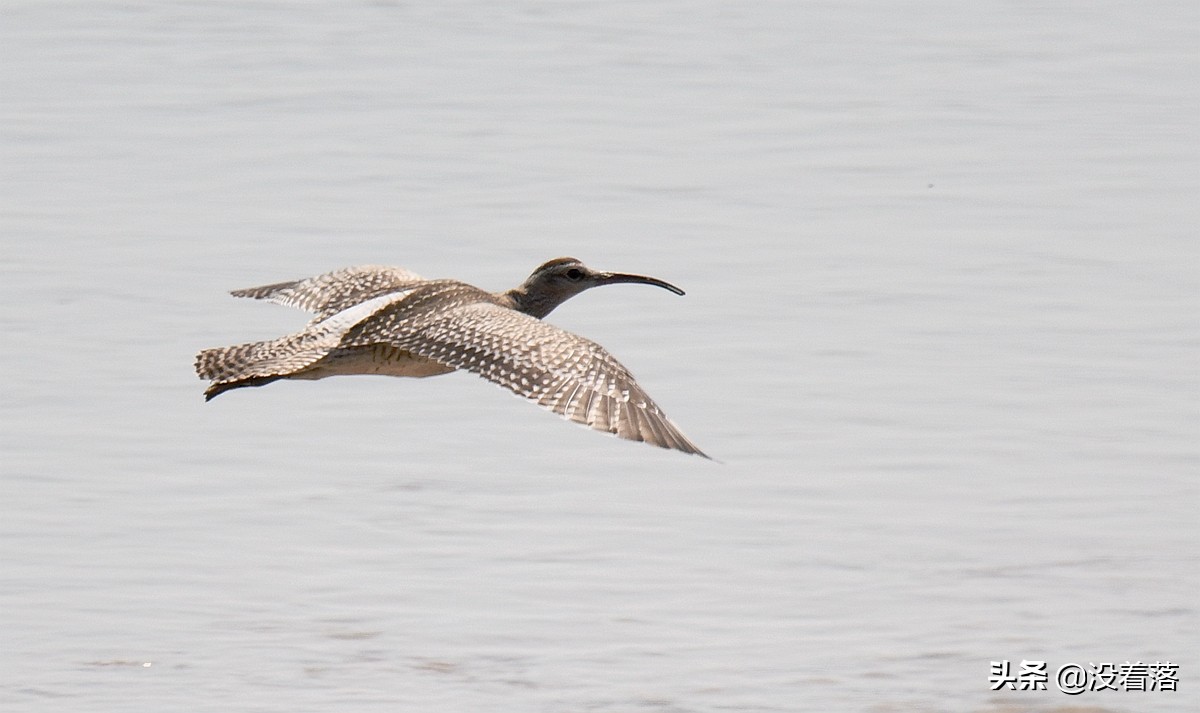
(390, 321)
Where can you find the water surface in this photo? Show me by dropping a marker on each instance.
(941, 330)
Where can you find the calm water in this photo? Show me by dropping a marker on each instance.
(941, 329)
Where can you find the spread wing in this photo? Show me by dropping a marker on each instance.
(261, 362)
(327, 294)
(565, 373)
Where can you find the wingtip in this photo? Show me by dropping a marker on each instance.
(692, 450)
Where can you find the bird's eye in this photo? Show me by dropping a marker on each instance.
(574, 274)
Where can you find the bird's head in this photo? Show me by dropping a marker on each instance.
(560, 279)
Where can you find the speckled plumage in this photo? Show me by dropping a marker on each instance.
(384, 320)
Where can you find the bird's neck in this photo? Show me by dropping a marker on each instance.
(530, 302)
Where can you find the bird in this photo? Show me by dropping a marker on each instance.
(373, 319)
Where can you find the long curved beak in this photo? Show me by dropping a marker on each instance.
(612, 278)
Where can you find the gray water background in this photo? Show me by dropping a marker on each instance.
(941, 330)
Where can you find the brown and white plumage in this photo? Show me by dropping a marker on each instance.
(384, 320)
(326, 295)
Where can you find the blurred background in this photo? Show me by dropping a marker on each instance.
(940, 332)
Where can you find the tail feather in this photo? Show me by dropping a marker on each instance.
(224, 363)
(217, 388)
(257, 363)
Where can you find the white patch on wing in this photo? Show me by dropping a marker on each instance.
(347, 318)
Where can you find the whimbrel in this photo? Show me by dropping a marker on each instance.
(387, 320)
